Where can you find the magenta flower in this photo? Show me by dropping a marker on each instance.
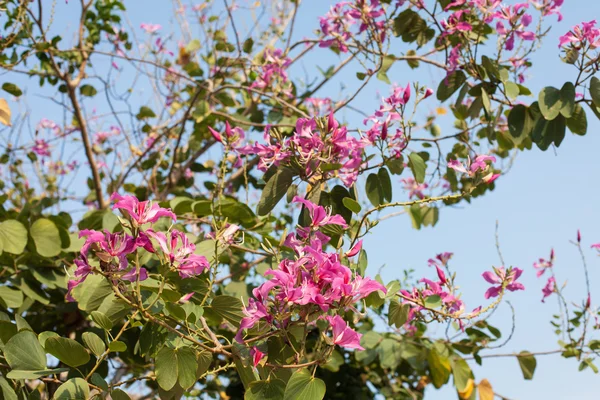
(108, 246)
(542, 265)
(343, 335)
(256, 355)
(549, 288)
(414, 188)
(586, 32)
(502, 279)
(319, 216)
(231, 136)
(355, 249)
(41, 148)
(479, 165)
(140, 212)
(179, 253)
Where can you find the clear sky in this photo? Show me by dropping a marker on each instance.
(540, 204)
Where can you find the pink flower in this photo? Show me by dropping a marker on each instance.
(41, 148)
(414, 188)
(549, 288)
(231, 136)
(475, 166)
(256, 355)
(319, 216)
(150, 28)
(108, 246)
(343, 335)
(355, 249)
(140, 212)
(179, 253)
(503, 279)
(542, 265)
(586, 32)
(186, 298)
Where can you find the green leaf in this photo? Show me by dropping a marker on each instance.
(351, 205)
(567, 95)
(67, 350)
(24, 352)
(527, 362)
(462, 373)
(7, 331)
(99, 381)
(546, 132)
(42, 337)
(13, 237)
(117, 346)
(24, 374)
(487, 104)
(550, 102)
(166, 368)
(439, 368)
(73, 389)
(433, 301)
(553, 102)
(12, 89)
(229, 308)
(386, 183)
(396, 165)
(578, 122)
(90, 294)
(302, 386)
(94, 343)
(450, 84)
(145, 112)
(10, 298)
(595, 90)
(88, 90)
(274, 190)
(386, 63)
(398, 313)
(6, 390)
(270, 389)
(374, 190)
(46, 237)
(512, 90)
(417, 166)
(175, 365)
(520, 122)
(404, 21)
(118, 394)
(248, 44)
(101, 320)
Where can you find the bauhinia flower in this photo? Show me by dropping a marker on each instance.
(256, 355)
(503, 279)
(150, 28)
(542, 265)
(549, 288)
(319, 216)
(140, 212)
(343, 335)
(179, 253)
(479, 165)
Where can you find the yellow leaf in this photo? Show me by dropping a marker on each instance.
(466, 394)
(441, 111)
(4, 113)
(485, 390)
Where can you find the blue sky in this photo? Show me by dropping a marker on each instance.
(540, 204)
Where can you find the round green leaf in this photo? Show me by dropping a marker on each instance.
(117, 346)
(46, 237)
(351, 204)
(527, 362)
(10, 298)
(595, 90)
(118, 394)
(417, 166)
(73, 389)
(302, 386)
(94, 343)
(67, 350)
(272, 389)
(578, 122)
(24, 352)
(13, 237)
(42, 337)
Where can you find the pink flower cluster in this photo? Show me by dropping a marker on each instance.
(312, 282)
(112, 249)
(414, 188)
(581, 35)
(391, 109)
(313, 144)
(518, 20)
(543, 265)
(102, 136)
(41, 148)
(337, 23)
(273, 73)
(476, 167)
